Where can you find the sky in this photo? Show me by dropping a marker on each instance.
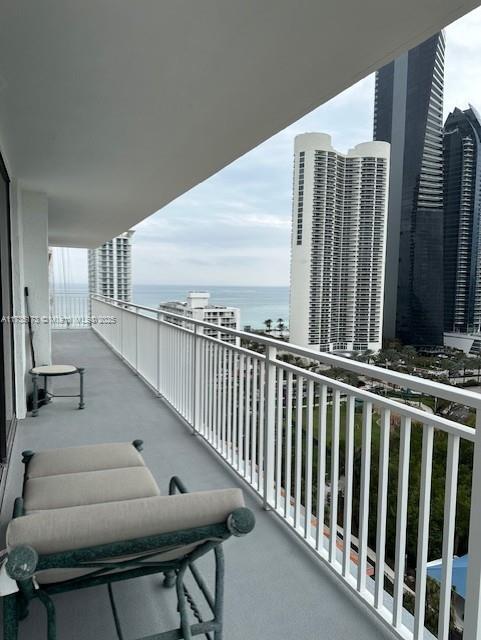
(234, 228)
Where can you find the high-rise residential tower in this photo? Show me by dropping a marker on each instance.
(338, 244)
(462, 213)
(408, 113)
(110, 268)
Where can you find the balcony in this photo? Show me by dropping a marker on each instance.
(293, 438)
(275, 588)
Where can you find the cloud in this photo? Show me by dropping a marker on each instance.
(463, 62)
(235, 227)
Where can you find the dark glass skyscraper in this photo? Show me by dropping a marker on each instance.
(408, 113)
(462, 212)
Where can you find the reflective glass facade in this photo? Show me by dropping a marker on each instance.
(462, 212)
(408, 114)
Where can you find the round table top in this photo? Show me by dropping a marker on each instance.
(54, 370)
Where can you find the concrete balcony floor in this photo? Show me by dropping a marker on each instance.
(275, 588)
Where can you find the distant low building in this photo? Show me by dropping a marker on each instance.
(470, 343)
(198, 307)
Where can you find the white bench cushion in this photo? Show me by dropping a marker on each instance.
(90, 487)
(94, 457)
(72, 528)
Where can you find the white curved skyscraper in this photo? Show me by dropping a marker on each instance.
(338, 244)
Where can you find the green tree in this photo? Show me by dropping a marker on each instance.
(268, 324)
(477, 366)
(409, 353)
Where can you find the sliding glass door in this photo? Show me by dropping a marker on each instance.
(7, 410)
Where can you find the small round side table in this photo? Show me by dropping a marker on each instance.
(51, 371)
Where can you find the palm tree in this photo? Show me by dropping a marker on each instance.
(366, 356)
(280, 325)
(268, 324)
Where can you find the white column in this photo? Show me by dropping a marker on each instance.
(29, 221)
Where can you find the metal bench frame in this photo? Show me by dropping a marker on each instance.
(48, 395)
(23, 562)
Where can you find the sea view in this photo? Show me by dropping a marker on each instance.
(256, 304)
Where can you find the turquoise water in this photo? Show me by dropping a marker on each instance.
(256, 304)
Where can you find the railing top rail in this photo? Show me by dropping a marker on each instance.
(418, 415)
(404, 380)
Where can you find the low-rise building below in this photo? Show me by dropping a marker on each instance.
(198, 307)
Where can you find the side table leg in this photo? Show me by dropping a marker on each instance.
(45, 389)
(81, 403)
(35, 395)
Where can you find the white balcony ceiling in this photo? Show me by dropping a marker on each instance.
(116, 107)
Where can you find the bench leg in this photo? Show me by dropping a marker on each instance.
(169, 579)
(10, 617)
(81, 403)
(35, 395)
(182, 605)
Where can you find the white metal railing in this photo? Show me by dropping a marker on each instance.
(69, 311)
(324, 455)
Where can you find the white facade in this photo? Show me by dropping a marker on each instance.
(338, 244)
(197, 307)
(110, 268)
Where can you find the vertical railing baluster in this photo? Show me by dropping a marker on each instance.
(216, 395)
(235, 408)
(196, 380)
(472, 616)
(450, 499)
(210, 426)
(260, 457)
(278, 479)
(321, 465)
(348, 481)
(364, 495)
(247, 417)
(308, 469)
(254, 473)
(269, 425)
(288, 454)
(230, 382)
(225, 382)
(158, 358)
(298, 452)
(240, 425)
(382, 506)
(401, 519)
(336, 401)
(423, 529)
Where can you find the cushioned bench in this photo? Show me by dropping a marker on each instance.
(94, 515)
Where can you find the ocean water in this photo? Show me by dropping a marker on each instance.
(256, 304)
